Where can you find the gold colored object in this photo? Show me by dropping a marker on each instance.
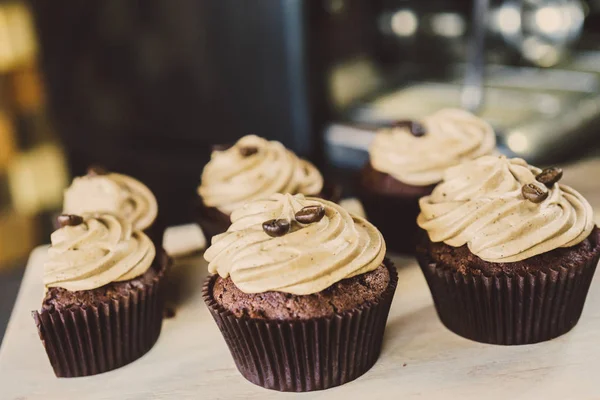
(32, 177)
(7, 142)
(17, 39)
(27, 89)
(17, 236)
(37, 178)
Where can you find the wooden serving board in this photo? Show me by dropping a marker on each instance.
(420, 358)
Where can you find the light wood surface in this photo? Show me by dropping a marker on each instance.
(420, 358)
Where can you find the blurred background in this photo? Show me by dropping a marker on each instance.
(146, 87)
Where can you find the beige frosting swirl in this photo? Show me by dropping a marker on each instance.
(308, 259)
(112, 193)
(452, 136)
(480, 204)
(231, 179)
(101, 250)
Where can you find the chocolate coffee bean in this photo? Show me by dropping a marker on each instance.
(69, 220)
(416, 129)
(534, 192)
(549, 176)
(169, 312)
(248, 151)
(310, 214)
(276, 227)
(96, 170)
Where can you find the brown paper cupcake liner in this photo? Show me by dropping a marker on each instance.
(90, 340)
(305, 355)
(505, 309)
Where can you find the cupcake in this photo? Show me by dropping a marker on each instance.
(508, 253)
(253, 169)
(407, 160)
(118, 194)
(103, 306)
(301, 292)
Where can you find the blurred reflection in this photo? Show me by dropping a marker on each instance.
(32, 165)
(542, 30)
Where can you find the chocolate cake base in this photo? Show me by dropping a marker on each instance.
(93, 331)
(523, 302)
(213, 222)
(343, 296)
(307, 347)
(392, 206)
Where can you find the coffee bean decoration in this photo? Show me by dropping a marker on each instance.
(248, 151)
(276, 227)
(69, 220)
(169, 312)
(550, 176)
(310, 214)
(534, 192)
(96, 170)
(416, 128)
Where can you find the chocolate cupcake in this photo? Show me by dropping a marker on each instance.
(103, 306)
(407, 160)
(508, 253)
(253, 169)
(301, 292)
(118, 194)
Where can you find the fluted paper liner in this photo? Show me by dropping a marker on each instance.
(305, 355)
(509, 309)
(89, 340)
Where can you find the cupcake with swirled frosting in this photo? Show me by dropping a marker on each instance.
(253, 169)
(294, 275)
(509, 252)
(103, 303)
(407, 159)
(101, 191)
